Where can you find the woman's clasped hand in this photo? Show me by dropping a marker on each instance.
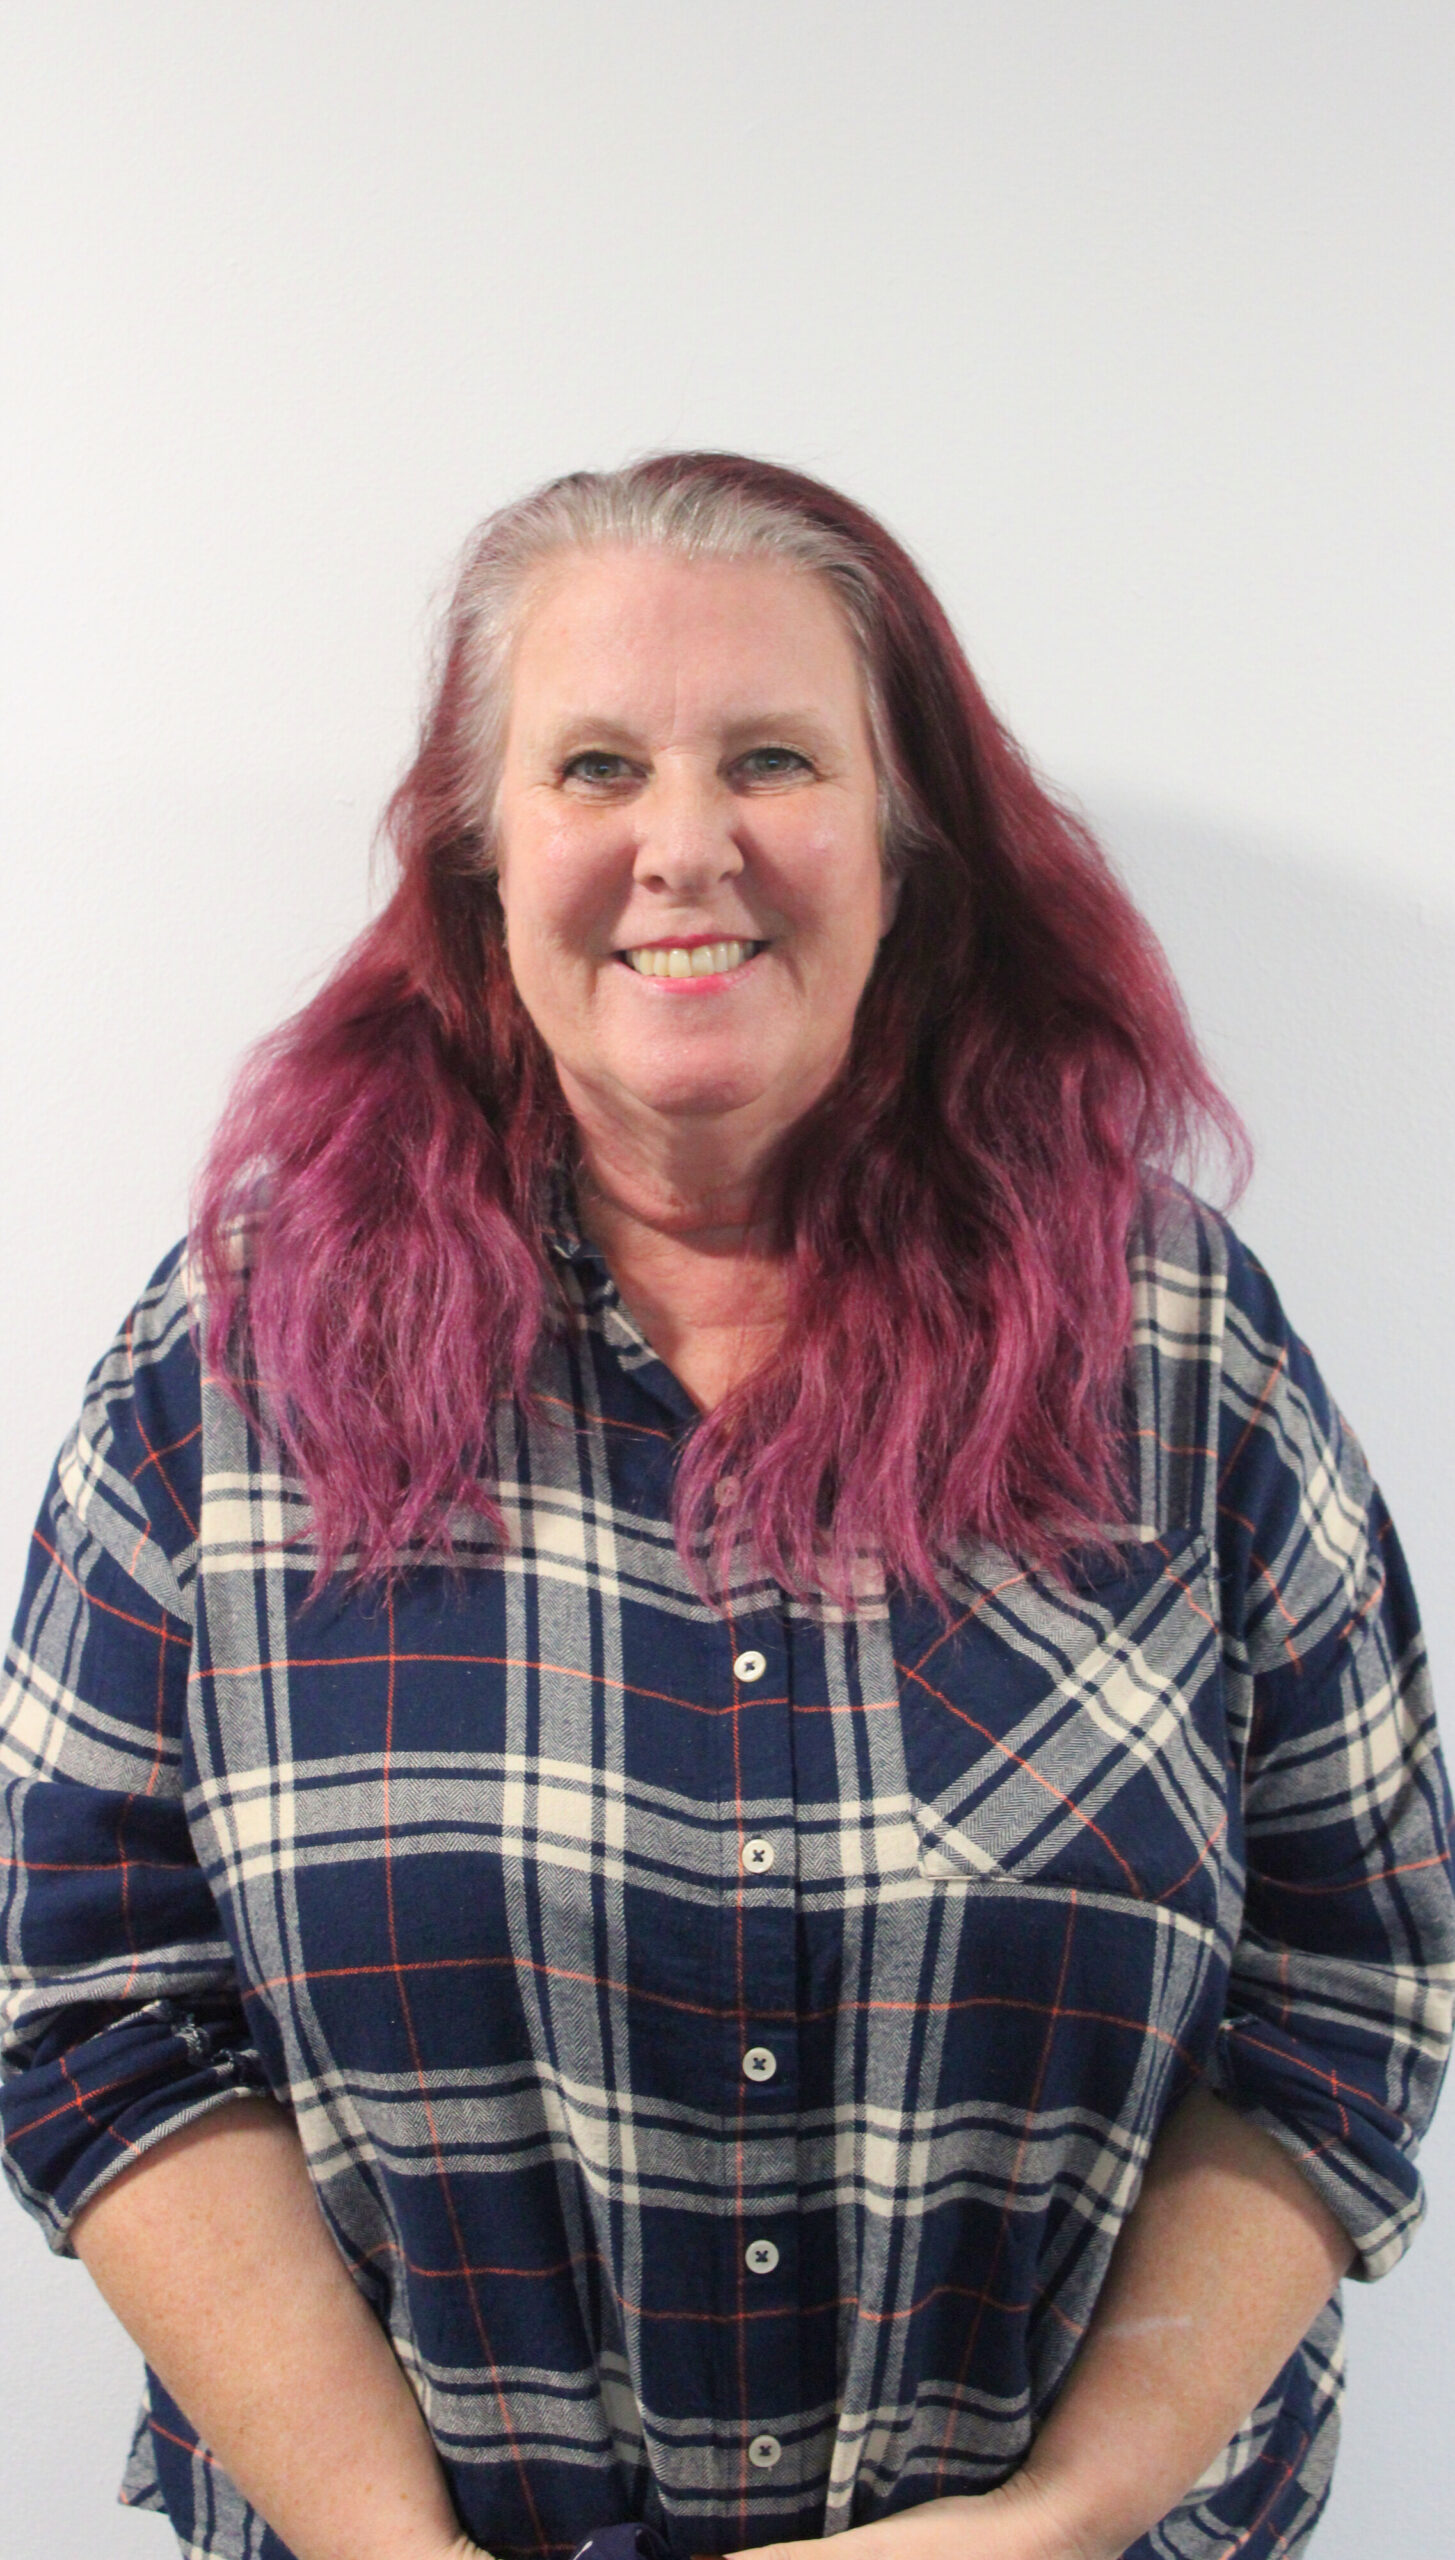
(1018, 2521)
(718, 1793)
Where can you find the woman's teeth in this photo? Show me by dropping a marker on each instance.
(698, 960)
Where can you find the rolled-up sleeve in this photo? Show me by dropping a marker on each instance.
(1338, 2022)
(120, 2017)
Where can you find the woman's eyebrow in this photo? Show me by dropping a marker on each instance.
(806, 724)
(588, 728)
(585, 728)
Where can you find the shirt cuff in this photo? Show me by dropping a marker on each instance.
(74, 2114)
(1356, 2154)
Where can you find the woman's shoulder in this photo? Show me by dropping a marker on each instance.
(1197, 1285)
(1232, 1416)
(1203, 1302)
(131, 1468)
(1238, 1426)
(157, 1340)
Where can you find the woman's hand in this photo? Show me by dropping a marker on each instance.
(212, 2251)
(1021, 2520)
(1224, 2260)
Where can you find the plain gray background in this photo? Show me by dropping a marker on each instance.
(1131, 318)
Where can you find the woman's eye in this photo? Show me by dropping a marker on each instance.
(588, 766)
(601, 765)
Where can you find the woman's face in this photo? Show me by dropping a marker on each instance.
(686, 836)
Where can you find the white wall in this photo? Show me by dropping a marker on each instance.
(1133, 319)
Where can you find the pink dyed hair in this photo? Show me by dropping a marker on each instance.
(370, 1220)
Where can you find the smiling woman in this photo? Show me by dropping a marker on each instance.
(729, 797)
(721, 1809)
(694, 902)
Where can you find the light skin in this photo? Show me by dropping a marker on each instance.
(212, 2252)
(688, 761)
(688, 757)
(1223, 2263)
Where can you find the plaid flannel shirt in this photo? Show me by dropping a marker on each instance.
(726, 2045)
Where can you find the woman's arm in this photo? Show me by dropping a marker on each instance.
(212, 2252)
(1225, 2260)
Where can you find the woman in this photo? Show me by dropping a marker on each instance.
(715, 1670)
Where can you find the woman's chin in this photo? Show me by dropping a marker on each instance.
(688, 1080)
(699, 1099)
(763, 1097)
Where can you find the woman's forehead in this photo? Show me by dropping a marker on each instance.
(636, 627)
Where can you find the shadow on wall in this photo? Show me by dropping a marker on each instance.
(1327, 1006)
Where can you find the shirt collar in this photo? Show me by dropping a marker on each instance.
(563, 1225)
(601, 1305)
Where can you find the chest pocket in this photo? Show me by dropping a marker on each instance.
(1072, 1736)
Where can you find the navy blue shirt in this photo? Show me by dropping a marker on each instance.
(726, 2045)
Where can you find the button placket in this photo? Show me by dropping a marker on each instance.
(760, 1904)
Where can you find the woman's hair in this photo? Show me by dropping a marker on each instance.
(372, 1218)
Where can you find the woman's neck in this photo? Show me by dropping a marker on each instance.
(697, 1267)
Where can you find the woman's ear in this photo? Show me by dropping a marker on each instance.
(889, 888)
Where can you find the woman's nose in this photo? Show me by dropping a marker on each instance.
(686, 838)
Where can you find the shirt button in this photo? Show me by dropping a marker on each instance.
(762, 2257)
(759, 2063)
(764, 2451)
(750, 1665)
(758, 1856)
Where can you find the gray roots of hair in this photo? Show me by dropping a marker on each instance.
(590, 510)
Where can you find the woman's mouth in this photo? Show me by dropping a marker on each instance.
(689, 959)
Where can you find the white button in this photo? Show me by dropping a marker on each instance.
(764, 2451)
(757, 1856)
(762, 2257)
(759, 2063)
(750, 1665)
